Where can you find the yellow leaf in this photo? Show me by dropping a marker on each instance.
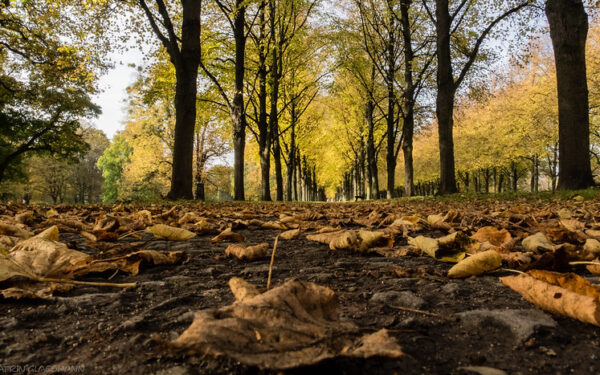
(168, 232)
(563, 294)
(51, 213)
(476, 264)
(49, 234)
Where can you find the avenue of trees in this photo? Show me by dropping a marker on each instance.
(300, 99)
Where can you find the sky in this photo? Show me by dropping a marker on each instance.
(113, 85)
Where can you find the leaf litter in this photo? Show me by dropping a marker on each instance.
(483, 239)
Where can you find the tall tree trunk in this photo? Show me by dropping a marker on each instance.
(408, 112)
(391, 122)
(238, 111)
(445, 98)
(186, 73)
(264, 130)
(371, 161)
(568, 30)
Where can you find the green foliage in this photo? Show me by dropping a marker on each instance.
(46, 77)
(112, 164)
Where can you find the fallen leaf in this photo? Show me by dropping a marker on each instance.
(293, 325)
(51, 213)
(273, 225)
(170, 233)
(241, 289)
(37, 258)
(564, 294)
(449, 248)
(476, 264)
(290, 234)
(244, 252)
(229, 236)
(437, 222)
(131, 262)
(592, 246)
(49, 234)
(498, 238)
(370, 239)
(537, 243)
(14, 231)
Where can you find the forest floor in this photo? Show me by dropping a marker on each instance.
(472, 325)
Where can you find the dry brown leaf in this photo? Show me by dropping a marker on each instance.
(592, 246)
(328, 229)
(495, 237)
(14, 231)
(245, 252)
(228, 236)
(593, 233)
(188, 217)
(476, 264)
(241, 289)
(564, 213)
(345, 240)
(563, 294)
(130, 263)
(273, 225)
(295, 324)
(437, 222)
(450, 248)
(537, 243)
(290, 234)
(370, 239)
(572, 225)
(37, 258)
(106, 223)
(170, 233)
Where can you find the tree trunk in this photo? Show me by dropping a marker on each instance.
(445, 99)
(568, 30)
(409, 99)
(238, 111)
(264, 130)
(186, 72)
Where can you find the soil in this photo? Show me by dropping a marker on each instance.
(106, 330)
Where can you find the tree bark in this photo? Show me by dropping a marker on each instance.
(238, 111)
(568, 30)
(264, 130)
(408, 112)
(445, 99)
(186, 71)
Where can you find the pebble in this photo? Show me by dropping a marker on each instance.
(521, 323)
(177, 370)
(403, 299)
(450, 288)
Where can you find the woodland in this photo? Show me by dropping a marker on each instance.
(301, 186)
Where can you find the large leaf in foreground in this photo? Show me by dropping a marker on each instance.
(295, 324)
(563, 294)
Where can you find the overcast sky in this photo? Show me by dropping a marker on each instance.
(113, 96)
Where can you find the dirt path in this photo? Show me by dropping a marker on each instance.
(444, 326)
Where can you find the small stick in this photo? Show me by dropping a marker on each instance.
(124, 235)
(272, 261)
(67, 281)
(408, 309)
(584, 263)
(510, 270)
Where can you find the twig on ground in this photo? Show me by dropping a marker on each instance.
(272, 261)
(408, 309)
